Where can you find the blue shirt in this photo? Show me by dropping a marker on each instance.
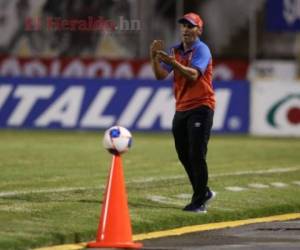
(192, 94)
(201, 56)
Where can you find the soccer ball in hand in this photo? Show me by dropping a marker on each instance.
(117, 140)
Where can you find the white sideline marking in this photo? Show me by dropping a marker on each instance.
(235, 189)
(164, 200)
(268, 171)
(148, 180)
(279, 184)
(224, 208)
(16, 208)
(183, 196)
(169, 201)
(50, 190)
(258, 185)
(239, 173)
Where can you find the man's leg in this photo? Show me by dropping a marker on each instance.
(199, 128)
(180, 134)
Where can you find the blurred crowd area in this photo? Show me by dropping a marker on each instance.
(234, 30)
(228, 28)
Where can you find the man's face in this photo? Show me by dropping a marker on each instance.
(189, 32)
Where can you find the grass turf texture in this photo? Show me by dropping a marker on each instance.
(58, 180)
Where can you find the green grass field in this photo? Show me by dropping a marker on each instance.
(51, 183)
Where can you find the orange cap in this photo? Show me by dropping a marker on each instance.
(192, 18)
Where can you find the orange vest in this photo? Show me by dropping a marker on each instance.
(192, 94)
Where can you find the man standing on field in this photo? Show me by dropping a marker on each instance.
(191, 62)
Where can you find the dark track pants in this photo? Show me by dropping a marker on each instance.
(191, 131)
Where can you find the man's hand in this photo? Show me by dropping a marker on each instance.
(159, 72)
(163, 56)
(155, 46)
(188, 72)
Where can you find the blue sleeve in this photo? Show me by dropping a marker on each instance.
(201, 58)
(167, 67)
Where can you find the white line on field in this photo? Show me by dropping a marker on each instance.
(172, 201)
(164, 200)
(258, 185)
(183, 196)
(40, 191)
(239, 173)
(235, 189)
(145, 180)
(279, 184)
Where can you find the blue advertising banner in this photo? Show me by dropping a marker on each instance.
(47, 103)
(283, 15)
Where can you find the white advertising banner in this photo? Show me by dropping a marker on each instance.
(275, 108)
(273, 69)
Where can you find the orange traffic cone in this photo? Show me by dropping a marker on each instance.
(114, 230)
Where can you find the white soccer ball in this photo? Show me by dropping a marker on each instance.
(117, 140)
